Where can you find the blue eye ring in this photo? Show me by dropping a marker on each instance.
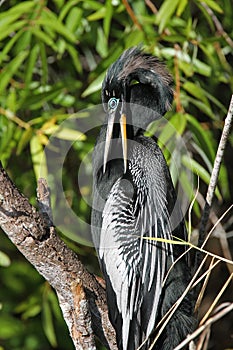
(113, 103)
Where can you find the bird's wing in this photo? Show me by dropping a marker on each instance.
(134, 264)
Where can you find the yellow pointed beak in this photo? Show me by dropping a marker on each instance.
(124, 139)
(109, 133)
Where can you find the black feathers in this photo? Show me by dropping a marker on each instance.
(136, 212)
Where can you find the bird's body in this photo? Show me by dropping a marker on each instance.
(135, 212)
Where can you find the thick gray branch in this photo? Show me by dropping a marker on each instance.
(79, 293)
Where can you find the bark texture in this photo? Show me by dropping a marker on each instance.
(81, 297)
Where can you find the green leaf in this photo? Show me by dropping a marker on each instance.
(59, 28)
(73, 19)
(4, 259)
(15, 12)
(94, 86)
(97, 15)
(101, 44)
(200, 171)
(10, 44)
(65, 133)
(48, 323)
(9, 327)
(10, 70)
(4, 33)
(202, 68)
(38, 157)
(212, 4)
(44, 63)
(36, 99)
(196, 91)
(43, 37)
(181, 7)
(31, 63)
(108, 18)
(66, 9)
(201, 136)
(75, 57)
(24, 140)
(165, 13)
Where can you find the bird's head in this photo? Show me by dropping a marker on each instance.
(136, 90)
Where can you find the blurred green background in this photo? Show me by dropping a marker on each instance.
(53, 57)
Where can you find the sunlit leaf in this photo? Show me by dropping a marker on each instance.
(94, 86)
(4, 259)
(165, 12)
(213, 5)
(38, 157)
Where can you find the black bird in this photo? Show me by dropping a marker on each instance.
(134, 200)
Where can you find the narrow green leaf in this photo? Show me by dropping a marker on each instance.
(66, 8)
(196, 91)
(31, 63)
(10, 70)
(187, 187)
(73, 19)
(75, 57)
(202, 106)
(24, 140)
(4, 33)
(181, 7)
(59, 28)
(65, 133)
(94, 86)
(15, 12)
(201, 136)
(213, 5)
(202, 68)
(36, 99)
(101, 44)
(10, 44)
(100, 14)
(48, 324)
(165, 13)
(44, 63)
(38, 157)
(200, 171)
(108, 18)
(43, 37)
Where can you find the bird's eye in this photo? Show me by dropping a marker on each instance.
(113, 103)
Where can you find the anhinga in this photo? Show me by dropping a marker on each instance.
(135, 211)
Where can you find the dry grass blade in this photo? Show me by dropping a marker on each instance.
(203, 288)
(216, 300)
(208, 323)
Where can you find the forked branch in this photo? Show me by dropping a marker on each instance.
(82, 298)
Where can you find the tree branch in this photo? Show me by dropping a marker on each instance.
(215, 172)
(82, 298)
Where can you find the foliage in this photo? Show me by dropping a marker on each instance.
(53, 57)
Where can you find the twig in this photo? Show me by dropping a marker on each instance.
(219, 232)
(216, 300)
(151, 6)
(131, 14)
(214, 175)
(217, 24)
(209, 322)
(59, 265)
